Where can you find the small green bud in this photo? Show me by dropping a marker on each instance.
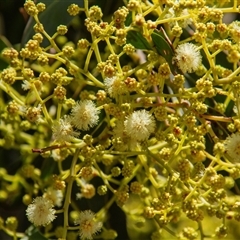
(60, 93)
(70, 102)
(27, 199)
(12, 108)
(177, 31)
(68, 51)
(42, 59)
(33, 114)
(73, 9)
(235, 173)
(109, 234)
(3, 172)
(38, 27)
(116, 171)
(160, 113)
(83, 44)
(25, 125)
(3, 195)
(74, 215)
(95, 13)
(44, 77)
(133, 5)
(27, 171)
(41, 7)
(62, 29)
(12, 223)
(37, 172)
(27, 73)
(145, 192)
(86, 173)
(136, 187)
(190, 233)
(221, 231)
(59, 232)
(10, 53)
(38, 37)
(229, 182)
(102, 190)
(30, 8)
(127, 169)
(8, 75)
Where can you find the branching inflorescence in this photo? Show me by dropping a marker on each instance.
(143, 112)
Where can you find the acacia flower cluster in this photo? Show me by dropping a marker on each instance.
(84, 115)
(122, 122)
(87, 225)
(139, 125)
(40, 212)
(63, 130)
(232, 146)
(188, 57)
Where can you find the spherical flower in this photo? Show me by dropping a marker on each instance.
(188, 57)
(26, 85)
(54, 195)
(235, 30)
(114, 86)
(85, 115)
(63, 130)
(40, 212)
(73, 9)
(232, 146)
(139, 125)
(87, 191)
(33, 114)
(88, 226)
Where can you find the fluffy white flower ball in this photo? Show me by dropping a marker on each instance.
(232, 146)
(85, 115)
(40, 211)
(188, 57)
(139, 125)
(88, 226)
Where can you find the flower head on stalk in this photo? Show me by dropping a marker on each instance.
(84, 115)
(139, 125)
(188, 57)
(40, 211)
(87, 224)
(63, 130)
(232, 146)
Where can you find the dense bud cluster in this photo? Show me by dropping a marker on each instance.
(134, 107)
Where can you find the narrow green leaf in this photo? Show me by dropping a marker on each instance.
(128, 19)
(54, 15)
(137, 40)
(164, 47)
(4, 43)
